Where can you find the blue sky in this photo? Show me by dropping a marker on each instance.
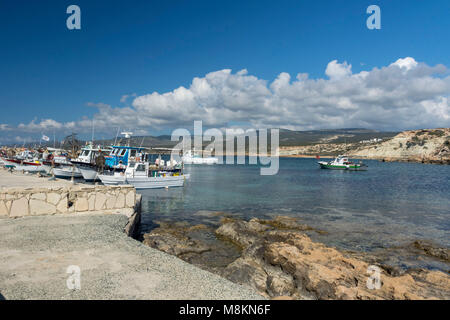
(140, 47)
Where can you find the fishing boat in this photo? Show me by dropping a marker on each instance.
(26, 161)
(342, 163)
(195, 157)
(120, 156)
(142, 175)
(29, 167)
(86, 161)
(56, 159)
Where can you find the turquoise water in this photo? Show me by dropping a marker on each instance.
(390, 204)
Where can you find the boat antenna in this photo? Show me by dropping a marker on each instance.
(142, 142)
(93, 129)
(115, 140)
(127, 135)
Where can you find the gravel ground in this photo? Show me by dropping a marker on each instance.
(35, 253)
(18, 179)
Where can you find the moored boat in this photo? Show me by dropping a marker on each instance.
(86, 161)
(142, 175)
(342, 163)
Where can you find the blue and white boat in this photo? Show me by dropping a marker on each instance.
(120, 156)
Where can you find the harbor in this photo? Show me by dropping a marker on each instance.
(224, 150)
(152, 201)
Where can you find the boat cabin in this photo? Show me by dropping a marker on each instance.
(121, 156)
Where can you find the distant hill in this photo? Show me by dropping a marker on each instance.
(287, 138)
(349, 135)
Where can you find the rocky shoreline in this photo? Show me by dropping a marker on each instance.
(277, 258)
(429, 146)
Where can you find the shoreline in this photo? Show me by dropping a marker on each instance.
(381, 159)
(275, 272)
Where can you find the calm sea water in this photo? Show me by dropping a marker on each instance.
(391, 204)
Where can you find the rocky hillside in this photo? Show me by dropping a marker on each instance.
(427, 145)
(431, 145)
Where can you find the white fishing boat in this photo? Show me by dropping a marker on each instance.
(143, 176)
(85, 162)
(195, 157)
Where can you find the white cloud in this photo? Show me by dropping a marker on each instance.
(403, 95)
(336, 70)
(407, 63)
(4, 127)
(42, 125)
(125, 97)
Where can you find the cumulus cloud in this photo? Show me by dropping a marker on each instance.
(403, 95)
(34, 125)
(408, 63)
(336, 70)
(4, 127)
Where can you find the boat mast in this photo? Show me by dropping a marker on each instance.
(93, 128)
(115, 140)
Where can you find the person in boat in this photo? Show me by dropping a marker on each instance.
(100, 162)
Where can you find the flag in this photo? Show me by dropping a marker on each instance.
(45, 138)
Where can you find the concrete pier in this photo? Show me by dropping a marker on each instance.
(39, 250)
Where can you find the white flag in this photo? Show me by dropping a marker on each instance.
(45, 138)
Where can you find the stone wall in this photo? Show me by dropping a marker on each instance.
(19, 202)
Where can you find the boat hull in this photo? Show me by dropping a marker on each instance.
(355, 167)
(67, 172)
(112, 180)
(28, 168)
(156, 182)
(89, 174)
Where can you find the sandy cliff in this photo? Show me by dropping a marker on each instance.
(418, 145)
(426, 145)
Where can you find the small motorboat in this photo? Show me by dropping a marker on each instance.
(342, 163)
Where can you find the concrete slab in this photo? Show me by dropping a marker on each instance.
(18, 179)
(35, 253)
